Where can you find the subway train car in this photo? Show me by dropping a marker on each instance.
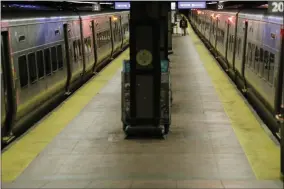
(45, 55)
(248, 46)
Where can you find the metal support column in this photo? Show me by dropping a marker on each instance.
(170, 44)
(145, 67)
(164, 29)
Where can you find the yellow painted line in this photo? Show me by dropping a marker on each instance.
(262, 153)
(21, 153)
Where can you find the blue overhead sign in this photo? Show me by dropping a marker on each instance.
(122, 5)
(191, 5)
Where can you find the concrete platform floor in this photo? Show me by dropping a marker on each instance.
(201, 150)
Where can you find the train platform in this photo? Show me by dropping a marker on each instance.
(215, 140)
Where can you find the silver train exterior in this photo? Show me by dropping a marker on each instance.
(250, 43)
(46, 55)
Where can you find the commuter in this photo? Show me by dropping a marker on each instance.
(183, 25)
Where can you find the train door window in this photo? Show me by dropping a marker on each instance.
(98, 40)
(261, 65)
(88, 45)
(53, 58)
(59, 57)
(271, 67)
(248, 54)
(223, 35)
(75, 50)
(239, 46)
(40, 64)
(23, 71)
(256, 59)
(115, 33)
(230, 42)
(265, 65)
(109, 35)
(261, 55)
(47, 61)
(104, 36)
(101, 39)
(251, 56)
(79, 48)
(232, 46)
(32, 67)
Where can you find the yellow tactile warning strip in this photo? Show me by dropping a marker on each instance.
(262, 153)
(22, 152)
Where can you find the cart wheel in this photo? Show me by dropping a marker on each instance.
(167, 128)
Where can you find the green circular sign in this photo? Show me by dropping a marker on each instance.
(144, 57)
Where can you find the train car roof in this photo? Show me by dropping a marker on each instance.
(260, 15)
(30, 17)
(12, 18)
(92, 14)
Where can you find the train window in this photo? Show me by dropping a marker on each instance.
(261, 65)
(32, 67)
(98, 40)
(271, 67)
(265, 57)
(265, 65)
(23, 70)
(222, 35)
(22, 38)
(53, 58)
(59, 56)
(109, 34)
(105, 35)
(57, 32)
(261, 55)
(251, 55)
(40, 65)
(47, 61)
(75, 50)
(256, 54)
(115, 32)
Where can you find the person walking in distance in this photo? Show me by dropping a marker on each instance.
(183, 26)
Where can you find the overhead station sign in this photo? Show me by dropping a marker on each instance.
(96, 7)
(191, 5)
(173, 5)
(122, 5)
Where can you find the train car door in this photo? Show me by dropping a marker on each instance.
(8, 97)
(3, 92)
(68, 54)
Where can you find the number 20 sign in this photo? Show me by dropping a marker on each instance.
(276, 7)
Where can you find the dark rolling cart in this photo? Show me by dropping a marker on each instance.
(165, 95)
